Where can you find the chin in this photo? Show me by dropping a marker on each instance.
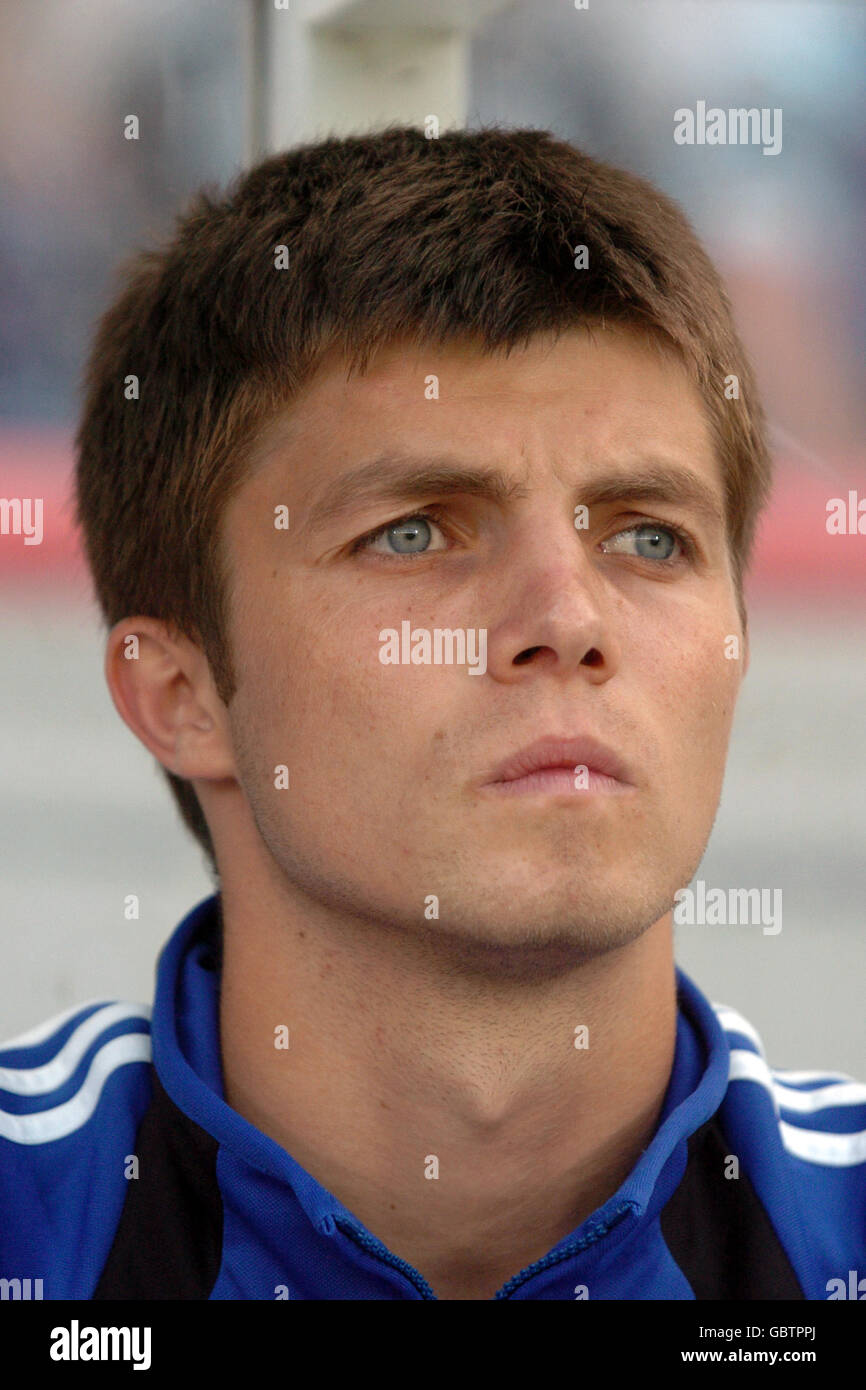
(527, 945)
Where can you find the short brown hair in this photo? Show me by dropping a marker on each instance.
(388, 235)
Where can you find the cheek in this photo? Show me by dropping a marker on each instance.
(699, 698)
(314, 695)
(692, 665)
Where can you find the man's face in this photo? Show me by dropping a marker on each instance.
(611, 628)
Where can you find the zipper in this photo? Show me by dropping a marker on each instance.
(574, 1247)
(375, 1247)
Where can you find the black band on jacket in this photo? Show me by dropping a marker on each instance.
(168, 1243)
(719, 1233)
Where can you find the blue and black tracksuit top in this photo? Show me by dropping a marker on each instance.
(125, 1175)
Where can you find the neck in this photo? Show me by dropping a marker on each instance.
(440, 1096)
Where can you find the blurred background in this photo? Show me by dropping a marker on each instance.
(85, 818)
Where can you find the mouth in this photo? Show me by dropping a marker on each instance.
(561, 766)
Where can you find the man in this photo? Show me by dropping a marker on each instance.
(419, 507)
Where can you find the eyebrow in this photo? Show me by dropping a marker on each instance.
(406, 479)
(658, 483)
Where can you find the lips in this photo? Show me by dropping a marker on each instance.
(551, 753)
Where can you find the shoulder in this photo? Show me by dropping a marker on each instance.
(800, 1137)
(820, 1115)
(73, 1092)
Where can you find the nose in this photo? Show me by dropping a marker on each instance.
(552, 612)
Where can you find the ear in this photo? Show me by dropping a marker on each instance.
(162, 688)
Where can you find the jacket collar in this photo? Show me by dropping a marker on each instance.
(186, 1056)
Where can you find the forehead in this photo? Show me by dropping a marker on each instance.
(615, 391)
(612, 381)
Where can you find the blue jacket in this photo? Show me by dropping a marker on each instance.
(124, 1173)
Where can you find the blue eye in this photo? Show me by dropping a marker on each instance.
(416, 535)
(410, 536)
(653, 542)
